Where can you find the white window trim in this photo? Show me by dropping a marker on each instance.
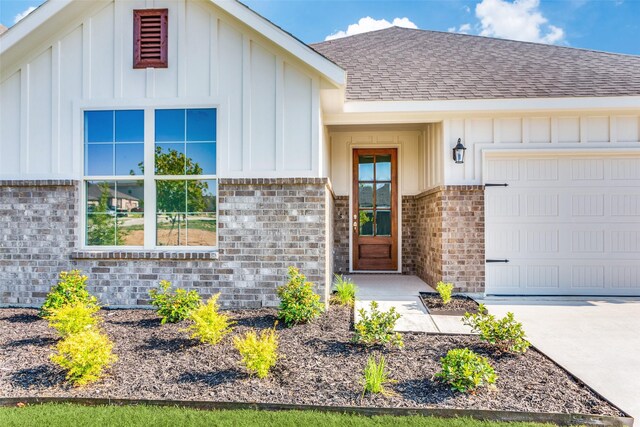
(149, 177)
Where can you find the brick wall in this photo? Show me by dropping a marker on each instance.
(409, 234)
(428, 230)
(463, 261)
(450, 237)
(264, 226)
(341, 235)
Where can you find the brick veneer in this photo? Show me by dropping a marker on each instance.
(341, 235)
(409, 237)
(264, 225)
(450, 237)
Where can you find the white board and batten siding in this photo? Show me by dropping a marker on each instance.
(267, 100)
(561, 131)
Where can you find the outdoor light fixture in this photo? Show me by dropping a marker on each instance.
(458, 152)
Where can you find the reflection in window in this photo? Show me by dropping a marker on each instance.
(114, 142)
(186, 212)
(366, 195)
(185, 142)
(365, 168)
(383, 223)
(383, 168)
(366, 223)
(115, 213)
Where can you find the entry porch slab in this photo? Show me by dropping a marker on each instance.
(402, 292)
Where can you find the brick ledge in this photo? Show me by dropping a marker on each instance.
(38, 182)
(142, 254)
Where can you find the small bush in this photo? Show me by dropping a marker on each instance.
(345, 291)
(84, 355)
(376, 327)
(298, 302)
(209, 325)
(71, 288)
(259, 353)
(173, 307)
(73, 318)
(465, 370)
(444, 289)
(376, 376)
(506, 334)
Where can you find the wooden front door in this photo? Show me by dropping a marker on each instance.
(374, 220)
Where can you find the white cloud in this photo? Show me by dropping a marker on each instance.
(467, 9)
(369, 24)
(463, 29)
(518, 20)
(19, 17)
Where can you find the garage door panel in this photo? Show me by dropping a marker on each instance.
(568, 226)
(587, 169)
(541, 170)
(625, 276)
(625, 169)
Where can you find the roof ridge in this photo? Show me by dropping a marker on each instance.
(477, 36)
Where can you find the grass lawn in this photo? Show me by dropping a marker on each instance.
(53, 415)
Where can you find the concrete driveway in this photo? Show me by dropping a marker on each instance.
(596, 339)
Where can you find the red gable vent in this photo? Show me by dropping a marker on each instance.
(150, 38)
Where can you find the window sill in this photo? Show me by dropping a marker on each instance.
(170, 254)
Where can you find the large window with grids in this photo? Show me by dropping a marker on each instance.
(150, 178)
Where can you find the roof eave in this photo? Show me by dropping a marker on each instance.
(488, 105)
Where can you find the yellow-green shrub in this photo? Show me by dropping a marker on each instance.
(173, 307)
(73, 318)
(259, 353)
(84, 355)
(71, 287)
(209, 325)
(445, 289)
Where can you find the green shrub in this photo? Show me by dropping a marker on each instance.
(345, 291)
(209, 325)
(298, 302)
(84, 355)
(465, 370)
(376, 327)
(259, 353)
(173, 307)
(73, 318)
(71, 288)
(506, 334)
(444, 289)
(376, 376)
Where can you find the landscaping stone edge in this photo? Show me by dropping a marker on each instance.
(479, 414)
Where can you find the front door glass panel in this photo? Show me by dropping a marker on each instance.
(374, 186)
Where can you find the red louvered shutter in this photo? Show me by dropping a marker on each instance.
(150, 38)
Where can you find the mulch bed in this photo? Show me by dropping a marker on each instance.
(318, 366)
(458, 303)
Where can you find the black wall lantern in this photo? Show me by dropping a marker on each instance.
(458, 152)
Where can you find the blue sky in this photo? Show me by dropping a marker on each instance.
(608, 25)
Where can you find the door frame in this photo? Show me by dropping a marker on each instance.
(398, 147)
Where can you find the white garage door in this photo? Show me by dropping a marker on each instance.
(567, 224)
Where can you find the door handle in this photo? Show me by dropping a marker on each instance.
(355, 226)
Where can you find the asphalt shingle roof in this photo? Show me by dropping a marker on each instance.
(405, 64)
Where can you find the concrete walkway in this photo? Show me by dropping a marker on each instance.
(596, 339)
(402, 292)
